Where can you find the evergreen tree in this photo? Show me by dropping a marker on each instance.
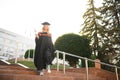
(92, 25)
(110, 34)
(102, 26)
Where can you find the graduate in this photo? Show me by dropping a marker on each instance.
(44, 50)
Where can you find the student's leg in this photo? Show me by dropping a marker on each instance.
(41, 72)
(48, 68)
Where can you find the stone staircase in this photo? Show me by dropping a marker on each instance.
(15, 72)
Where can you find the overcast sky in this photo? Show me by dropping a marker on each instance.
(23, 16)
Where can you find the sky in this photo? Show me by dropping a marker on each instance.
(25, 16)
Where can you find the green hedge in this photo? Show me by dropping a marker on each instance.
(29, 53)
(74, 44)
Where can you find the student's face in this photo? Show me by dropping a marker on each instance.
(46, 27)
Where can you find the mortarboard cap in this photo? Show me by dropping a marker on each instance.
(45, 23)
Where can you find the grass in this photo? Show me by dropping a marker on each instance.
(31, 65)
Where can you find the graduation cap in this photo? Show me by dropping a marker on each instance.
(45, 23)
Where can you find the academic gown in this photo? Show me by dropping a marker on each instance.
(44, 50)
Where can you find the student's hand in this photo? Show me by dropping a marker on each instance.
(36, 35)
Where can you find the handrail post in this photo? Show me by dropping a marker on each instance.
(86, 64)
(57, 60)
(64, 62)
(116, 71)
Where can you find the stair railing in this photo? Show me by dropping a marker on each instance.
(86, 63)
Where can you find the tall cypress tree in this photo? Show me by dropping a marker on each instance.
(91, 25)
(102, 26)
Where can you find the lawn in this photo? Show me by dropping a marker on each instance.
(31, 65)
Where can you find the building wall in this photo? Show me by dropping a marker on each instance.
(12, 44)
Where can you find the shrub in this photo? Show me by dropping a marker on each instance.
(29, 53)
(74, 44)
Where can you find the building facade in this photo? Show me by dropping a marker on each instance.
(13, 45)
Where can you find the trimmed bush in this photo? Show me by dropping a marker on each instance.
(74, 44)
(29, 53)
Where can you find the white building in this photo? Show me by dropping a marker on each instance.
(13, 45)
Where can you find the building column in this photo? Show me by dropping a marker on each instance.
(16, 52)
(3, 45)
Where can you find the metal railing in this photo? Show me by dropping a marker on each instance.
(86, 63)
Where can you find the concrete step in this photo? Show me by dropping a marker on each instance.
(12, 72)
(33, 72)
(33, 77)
(16, 72)
(15, 67)
(97, 72)
(30, 72)
(3, 63)
(46, 77)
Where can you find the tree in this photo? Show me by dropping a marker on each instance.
(92, 25)
(29, 53)
(74, 44)
(102, 26)
(110, 36)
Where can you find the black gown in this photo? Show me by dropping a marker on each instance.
(44, 50)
